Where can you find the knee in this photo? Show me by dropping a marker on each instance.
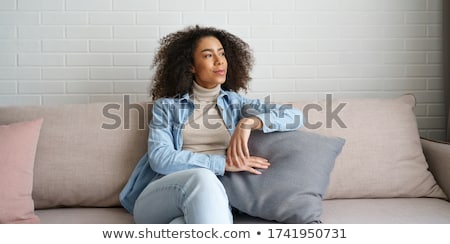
(203, 176)
(205, 181)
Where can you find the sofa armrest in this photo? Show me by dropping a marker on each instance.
(438, 157)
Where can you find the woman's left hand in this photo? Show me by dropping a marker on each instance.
(237, 153)
(252, 165)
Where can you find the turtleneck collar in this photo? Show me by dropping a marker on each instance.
(205, 94)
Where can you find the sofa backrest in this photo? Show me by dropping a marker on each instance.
(85, 152)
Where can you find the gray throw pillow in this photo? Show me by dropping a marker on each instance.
(291, 190)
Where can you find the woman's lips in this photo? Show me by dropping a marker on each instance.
(219, 71)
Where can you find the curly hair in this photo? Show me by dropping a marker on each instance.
(174, 60)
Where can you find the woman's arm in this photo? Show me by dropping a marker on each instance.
(274, 117)
(257, 115)
(238, 156)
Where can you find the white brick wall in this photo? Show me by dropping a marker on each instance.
(80, 51)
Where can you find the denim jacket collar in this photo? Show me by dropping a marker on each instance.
(187, 97)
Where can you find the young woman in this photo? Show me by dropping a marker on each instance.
(199, 129)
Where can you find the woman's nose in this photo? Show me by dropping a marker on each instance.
(218, 60)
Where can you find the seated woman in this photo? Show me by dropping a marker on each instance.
(200, 129)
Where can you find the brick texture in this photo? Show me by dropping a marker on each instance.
(81, 51)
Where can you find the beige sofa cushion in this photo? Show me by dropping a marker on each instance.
(382, 156)
(386, 211)
(78, 163)
(85, 216)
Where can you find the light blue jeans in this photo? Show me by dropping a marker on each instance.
(194, 196)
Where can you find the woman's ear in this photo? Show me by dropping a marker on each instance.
(193, 69)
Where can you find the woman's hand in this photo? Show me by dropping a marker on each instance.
(251, 164)
(238, 156)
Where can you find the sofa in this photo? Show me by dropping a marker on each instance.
(83, 155)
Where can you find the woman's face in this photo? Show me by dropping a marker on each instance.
(210, 63)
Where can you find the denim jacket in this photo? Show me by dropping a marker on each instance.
(165, 140)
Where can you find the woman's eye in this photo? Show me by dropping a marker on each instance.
(208, 55)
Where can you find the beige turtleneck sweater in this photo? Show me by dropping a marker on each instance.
(205, 131)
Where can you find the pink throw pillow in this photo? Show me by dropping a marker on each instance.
(18, 143)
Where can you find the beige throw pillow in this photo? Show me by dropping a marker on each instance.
(382, 156)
